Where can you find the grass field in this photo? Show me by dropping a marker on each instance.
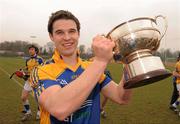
(149, 104)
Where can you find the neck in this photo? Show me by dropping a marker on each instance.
(33, 55)
(70, 60)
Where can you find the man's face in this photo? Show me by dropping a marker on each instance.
(32, 51)
(65, 36)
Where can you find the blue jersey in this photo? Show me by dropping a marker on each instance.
(58, 73)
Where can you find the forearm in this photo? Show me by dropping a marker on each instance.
(117, 93)
(124, 94)
(72, 96)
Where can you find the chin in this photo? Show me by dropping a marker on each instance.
(67, 53)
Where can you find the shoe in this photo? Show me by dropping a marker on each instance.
(38, 115)
(172, 107)
(26, 116)
(23, 111)
(176, 110)
(103, 114)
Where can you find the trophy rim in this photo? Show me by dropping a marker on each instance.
(131, 20)
(148, 78)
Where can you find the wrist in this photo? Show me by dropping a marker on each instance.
(100, 61)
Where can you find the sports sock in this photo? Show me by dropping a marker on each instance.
(174, 105)
(26, 106)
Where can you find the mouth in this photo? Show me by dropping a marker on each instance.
(67, 45)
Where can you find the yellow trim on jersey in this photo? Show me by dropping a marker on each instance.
(45, 119)
(58, 59)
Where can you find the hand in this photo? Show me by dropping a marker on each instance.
(19, 74)
(103, 48)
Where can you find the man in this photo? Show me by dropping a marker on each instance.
(68, 89)
(33, 61)
(176, 74)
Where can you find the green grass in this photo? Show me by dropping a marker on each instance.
(149, 104)
(10, 92)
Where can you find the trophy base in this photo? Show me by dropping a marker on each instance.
(148, 78)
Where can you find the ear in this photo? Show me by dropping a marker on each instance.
(51, 37)
(79, 33)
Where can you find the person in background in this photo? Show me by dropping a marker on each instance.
(33, 61)
(176, 95)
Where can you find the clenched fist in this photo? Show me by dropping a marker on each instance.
(102, 48)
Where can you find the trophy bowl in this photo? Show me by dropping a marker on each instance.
(136, 40)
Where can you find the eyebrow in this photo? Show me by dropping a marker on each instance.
(74, 29)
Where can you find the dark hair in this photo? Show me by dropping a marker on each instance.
(62, 14)
(36, 48)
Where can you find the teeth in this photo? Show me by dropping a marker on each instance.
(67, 44)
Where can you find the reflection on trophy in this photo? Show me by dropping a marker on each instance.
(135, 41)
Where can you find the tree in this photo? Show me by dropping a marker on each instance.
(82, 49)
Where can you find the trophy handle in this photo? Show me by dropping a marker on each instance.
(165, 24)
(165, 28)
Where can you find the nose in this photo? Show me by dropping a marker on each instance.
(66, 36)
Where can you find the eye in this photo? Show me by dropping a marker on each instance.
(59, 32)
(72, 31)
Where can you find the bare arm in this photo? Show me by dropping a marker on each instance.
(61, 102)
(117, 93)
(73, 95)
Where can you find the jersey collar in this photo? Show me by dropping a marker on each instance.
(34, 56)
(59, 60)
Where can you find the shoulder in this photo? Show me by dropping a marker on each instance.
(46, 71)
(50, 70)
(39, 57)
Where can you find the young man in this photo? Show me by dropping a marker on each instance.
(33, 61)
(68, 89)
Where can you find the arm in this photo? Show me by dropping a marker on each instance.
(117, 93)
(72, 96)
(176, 74)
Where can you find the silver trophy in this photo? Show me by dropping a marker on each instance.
(136, 40)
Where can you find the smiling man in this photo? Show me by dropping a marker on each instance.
(68, 89)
